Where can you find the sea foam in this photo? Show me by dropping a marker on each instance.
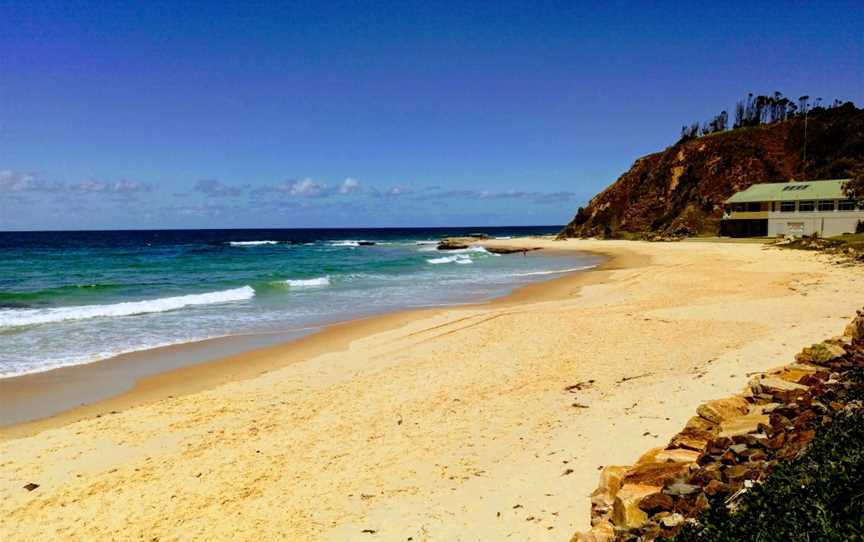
(553, 272)
(251, 243)
(29, 317)
(458, 258)
(308, 283)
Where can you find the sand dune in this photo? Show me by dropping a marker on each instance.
(452, 424)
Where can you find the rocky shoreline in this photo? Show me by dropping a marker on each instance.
(461, 243)
(729, 446)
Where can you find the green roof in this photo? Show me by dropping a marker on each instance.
(791, 191)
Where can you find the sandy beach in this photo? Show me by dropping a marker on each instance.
(450, 424)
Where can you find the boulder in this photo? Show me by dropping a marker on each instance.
(743, 425)
(671, 521)
(820, 353)
(781, 390)
(510, 250)
(452, 244)
(655, 474)
(797, 372)
(695, 435)
(602, 532)
(718, 410)
(855, 329)
(678, 455)
(656, 502)
(610, 482)
(626, 512)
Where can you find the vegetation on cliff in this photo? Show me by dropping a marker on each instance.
(681, 190)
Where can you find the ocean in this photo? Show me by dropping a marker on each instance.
(75, 297)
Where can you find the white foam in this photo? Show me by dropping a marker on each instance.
(553, 272)
(345, 243)
(309, 283)
(251, 243)
(29, 317)
(458, 258)
(427, 242)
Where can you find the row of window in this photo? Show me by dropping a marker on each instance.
(810, 206)
(807, 206)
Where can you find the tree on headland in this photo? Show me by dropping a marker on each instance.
(854, 188)
(756, 110)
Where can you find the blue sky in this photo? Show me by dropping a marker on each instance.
(314, 114)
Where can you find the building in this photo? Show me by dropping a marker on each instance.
(793, 208)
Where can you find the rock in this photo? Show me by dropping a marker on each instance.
(716, 487)
(31, 486)
(742, 425)
(723, 409)
(649, 456)
(671, 521)
(736, 473)
(677, 456)
(451, 244)
(797, 372)
(510, 250)
(365, 243)
(781, 390)
(820, 353)
(610, 482)
(855, 329)
(601, 532)
(625, 511)
(696, 435)
(681, 489)
(655, 474)
(656, 502)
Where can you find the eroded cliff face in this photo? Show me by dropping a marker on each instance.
(681, 190)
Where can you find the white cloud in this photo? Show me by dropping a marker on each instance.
(349, 186)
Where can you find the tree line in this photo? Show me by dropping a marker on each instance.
(754, 111)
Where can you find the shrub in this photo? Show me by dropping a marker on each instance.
(818, 496)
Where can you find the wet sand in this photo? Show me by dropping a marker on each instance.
(445, 424)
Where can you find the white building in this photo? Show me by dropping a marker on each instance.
(793, 208)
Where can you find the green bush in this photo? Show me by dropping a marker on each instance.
(818, 496)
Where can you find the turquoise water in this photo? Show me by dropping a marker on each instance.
(76, 297)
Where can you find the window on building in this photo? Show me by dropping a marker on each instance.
(787, 206)
(847, 205)
(806, 206)
(826, 205)
(739, 207)
(754, 206)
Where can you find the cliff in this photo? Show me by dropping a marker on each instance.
(681, 190)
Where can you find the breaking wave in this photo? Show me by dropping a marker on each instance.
(251, 243)
(29, 317)
(308, 283)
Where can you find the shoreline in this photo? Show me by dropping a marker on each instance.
(109, 385)
(485, 422)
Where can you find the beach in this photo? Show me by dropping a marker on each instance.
(478, 422)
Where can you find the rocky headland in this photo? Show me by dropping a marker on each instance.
(680, 190)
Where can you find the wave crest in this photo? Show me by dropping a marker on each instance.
(458, 258)
(308, 283)
(251, 243)
(29, 317)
